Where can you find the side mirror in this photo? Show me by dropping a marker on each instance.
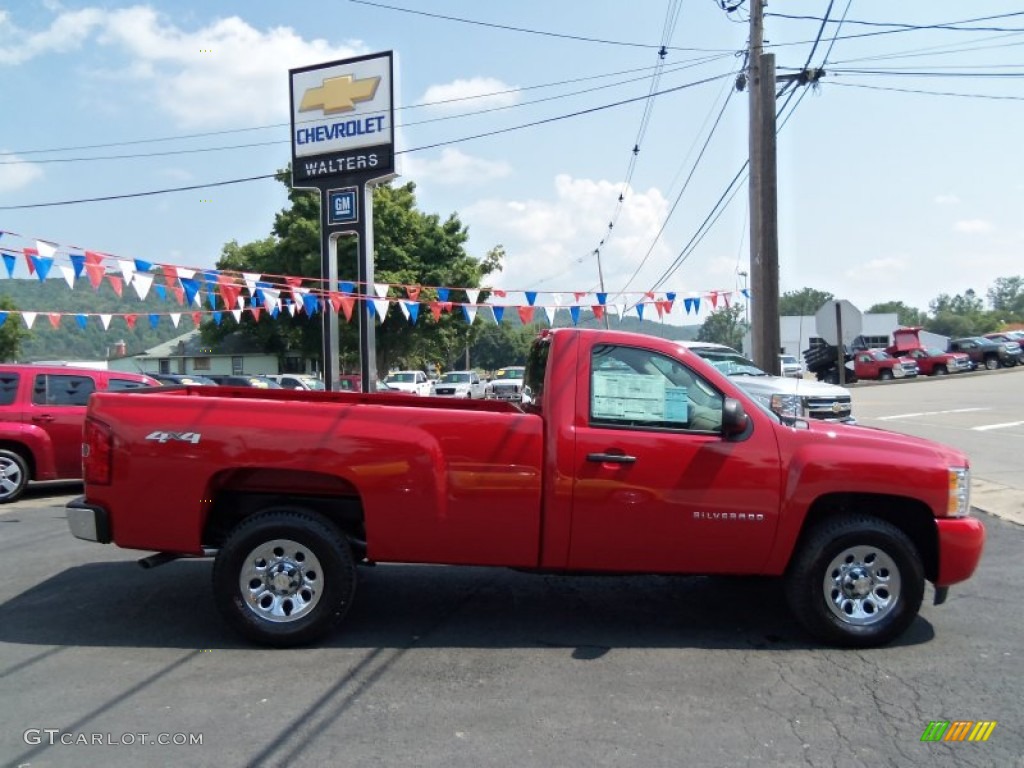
(734, 417)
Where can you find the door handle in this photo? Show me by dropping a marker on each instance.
(43, 417)
(611, 458)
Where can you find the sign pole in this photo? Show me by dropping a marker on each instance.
(840, 347)
(367, 329)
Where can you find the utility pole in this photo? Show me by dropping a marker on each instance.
(764, 233)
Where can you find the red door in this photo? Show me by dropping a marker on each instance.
(657, 487)
(58, 408)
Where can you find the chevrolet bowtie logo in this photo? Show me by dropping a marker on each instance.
(339, 94)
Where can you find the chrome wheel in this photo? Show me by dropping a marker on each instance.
(11, 477)
(281, 580)
(862, 585)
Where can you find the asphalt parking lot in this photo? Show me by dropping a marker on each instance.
(468, 667)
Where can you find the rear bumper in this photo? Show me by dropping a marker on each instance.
(88, 521)
(961, 541)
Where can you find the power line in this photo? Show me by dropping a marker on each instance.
(927, 93)
(952, 25)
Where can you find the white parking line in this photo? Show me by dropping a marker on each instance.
(929, 413)
(987, 427)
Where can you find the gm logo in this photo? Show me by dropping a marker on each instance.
(958, 730)
(341, 206)
(339, 94)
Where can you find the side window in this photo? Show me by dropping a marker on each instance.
(116, 384)
(632, 387)
(8, 388)
(59, 389)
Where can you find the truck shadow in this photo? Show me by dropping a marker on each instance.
(116, 604)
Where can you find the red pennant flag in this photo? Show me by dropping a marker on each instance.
(435, 310)
(197, 319)
(447, 306)
(95, 273)
(598, 311)
(93, 258)
(649, 294)
(577, 295)
(179, 293)
(526, 314)
(230, 293)
(255, 313)
(29, 253)
(500, 293)
(668, 304)
(661, 310)
(714, 299)
(55, 319)
(335, 301)
(117, 283)
(130, 319)
(347, 304)
(413, 292)
(171, 276)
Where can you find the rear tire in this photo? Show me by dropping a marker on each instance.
(855, 581)
(940, 370)
(284, 577)
(13, 476)
(991, 363)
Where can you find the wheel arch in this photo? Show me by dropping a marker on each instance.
(24, 451)
(911, 516)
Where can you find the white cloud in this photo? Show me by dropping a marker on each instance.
(478, 92)
(226, 73)
(16, 173)
(454, 167)
(550, 242)
(946, 199)
(877, 271)
(973, 226)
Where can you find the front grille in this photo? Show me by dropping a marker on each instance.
(829, 407)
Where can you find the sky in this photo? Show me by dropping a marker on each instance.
(899, 174)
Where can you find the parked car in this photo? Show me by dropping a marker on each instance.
(783, 395)
(507, 384)
(988, 353)
(245, 380)
(183, 379)
(42, 410)
(791, 366)
(931, 361)
(458, 384)
(879, 364)
(297, 381)
(413, 382)
(1014, 337)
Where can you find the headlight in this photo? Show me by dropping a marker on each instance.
(959, 492)
(788, 407)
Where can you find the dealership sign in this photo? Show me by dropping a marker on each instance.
(343, 120)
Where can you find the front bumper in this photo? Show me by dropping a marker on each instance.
(88, 521)
(961, 541)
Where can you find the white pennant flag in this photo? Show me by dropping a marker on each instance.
(381, 289)
(298, 294)
(250, 281)
(45, 249)
(69, 275)
(127, 269)
(620, 310)
(405, 310)
(240, 301)
(105, 319)
(473, 294)
(142, 283)
(175, 318)
(558, 299)
(470, 312)
(293, 309)
(188, 274)
(198, 299)
(550, 312)
(238, 315)
(30, 318)
(381, 307)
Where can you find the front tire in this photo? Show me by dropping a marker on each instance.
(991, 363)
(856, 582)
(284, 577)
(885, 374)
(13, 476)
(940, 370)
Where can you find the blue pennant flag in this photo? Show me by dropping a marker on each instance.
(154, 320)
(414, 311)
(531, 297)
(275, 312)
(211, 275)
(143, 266)
(693, 304)
(671, 295)
(499, 312)
(442, 294)
(9, 262)
(191, 288)
(42, 265)
(574, 311)
(601, 298)
(78, 262)
(211, 297)
(640, 310)
(310, 303)
(347, 287)
(82, 321)
(3, 318)
(218, 317)
(161, 291)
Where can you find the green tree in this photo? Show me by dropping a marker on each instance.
(724, 326)
(497, 346)
(410, 248)
(806, 301)
(12, 333)
(960, 315)
(1007, 295)
(907, 316)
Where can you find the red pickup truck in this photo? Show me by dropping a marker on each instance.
(631, 455)
(42, 409)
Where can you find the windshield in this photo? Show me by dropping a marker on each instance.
(509, 373)
(878, 355)
(313, 383)
(788, 359)
(730, 363)
(455, 378)
(935, 351)
(402, 378)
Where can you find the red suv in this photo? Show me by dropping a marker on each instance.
(42, 410)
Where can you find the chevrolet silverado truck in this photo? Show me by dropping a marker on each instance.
(931, 361)
(42, 409)
(633, 455)
(879, 364)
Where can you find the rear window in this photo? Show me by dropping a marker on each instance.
(8, 388)
(115, 384)
(61, 389)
